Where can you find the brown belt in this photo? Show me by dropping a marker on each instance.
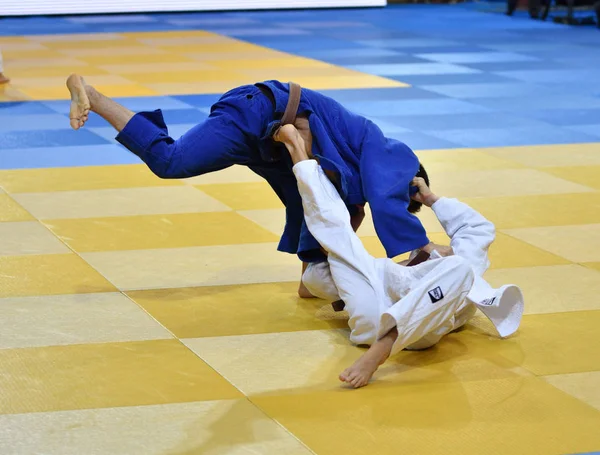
(291, 110)
(339, 305)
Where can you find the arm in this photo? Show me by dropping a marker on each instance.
(470, 233)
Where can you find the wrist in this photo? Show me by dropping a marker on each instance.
(430, 200)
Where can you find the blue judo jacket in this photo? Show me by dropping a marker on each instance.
(370, 168)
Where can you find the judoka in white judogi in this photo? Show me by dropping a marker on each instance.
(422, 303)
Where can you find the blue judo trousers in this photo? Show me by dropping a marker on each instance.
(370, 168)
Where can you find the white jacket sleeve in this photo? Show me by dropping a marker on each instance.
(470, 233)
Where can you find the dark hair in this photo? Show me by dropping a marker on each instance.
(415, 206)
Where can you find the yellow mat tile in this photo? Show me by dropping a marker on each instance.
(586, 175)
(158, 231)
(28, 237)
(244, 196)
(258, 53)
(106, 375)
(11, 211)
(111, 51)
(96, 80)
(13, 39)
(436, 161)
(180, 428)
(76, 37)
(520, 416)
(583, 386)
(502, 182)
(579, 243)
(49, 275)
(22, 74)
(118, 202)
(346, 81)
(160, 76)
(196, 266)
(552, 289)
(176, 41)
(271, 63)
(237, 310)
(75, 319)
(205, 86)
(214, 47)
(273, 220)
(135, 68)
(58, 92)
(160, 60)
(305, 361)
(291, 73)
(168, 34)
(556, 343)
(23, 46)
(549, 155)
(114, 42)
(11, 93)
(29, 54)
(80, 178)
(592, 265)
(539, 210)
(41, 64)
(507, 252)
(233, 174)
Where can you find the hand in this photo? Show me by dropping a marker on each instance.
(424, 196)
(443, 250)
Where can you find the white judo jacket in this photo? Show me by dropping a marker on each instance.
(424, 302)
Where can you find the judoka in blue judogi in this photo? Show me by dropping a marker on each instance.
(365, 166)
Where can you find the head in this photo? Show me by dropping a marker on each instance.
(415, 206)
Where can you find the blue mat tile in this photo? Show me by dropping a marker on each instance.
(44, 157)
(518, 66)
(421, 141)
(408, 42)
(553, 76)
(415, 107)
(504, 137)
(353, 61)
(32, 122)
(352, 52)
(590, 130)
(404, 69)
(24, 108)
(477, 57)
(529, 103)
(48, 138)
(566, 117)
(440, 79)
(497, 90)
(198, 100)
(483, 120)
(380, 94)
(179, 116)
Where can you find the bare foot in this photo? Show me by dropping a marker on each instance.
(4, 79)
(80, 102)
(359, 374)
(304, 292)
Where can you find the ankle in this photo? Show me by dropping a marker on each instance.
(93, 95)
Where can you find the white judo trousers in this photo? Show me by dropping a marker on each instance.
(424, 302)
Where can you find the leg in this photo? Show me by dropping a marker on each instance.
(85, 98)
(426, 313)
(353, 270)
(227, 137)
